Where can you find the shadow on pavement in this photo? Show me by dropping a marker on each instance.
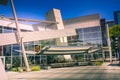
(115, 64)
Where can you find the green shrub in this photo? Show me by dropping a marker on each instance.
(24, 68)
(35, 68)
(81, 59)
(97, 63)
(14, 69)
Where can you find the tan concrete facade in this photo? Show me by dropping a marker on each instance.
(10, 38)
(55, 15)
(83, 22)
(59, 31)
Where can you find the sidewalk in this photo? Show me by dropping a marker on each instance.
(104, 72)
(108, 65)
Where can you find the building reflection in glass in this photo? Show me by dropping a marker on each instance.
(90, 36)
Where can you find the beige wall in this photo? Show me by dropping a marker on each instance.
(83, 21)
(10, 38)
(11, 24)
(84, 24)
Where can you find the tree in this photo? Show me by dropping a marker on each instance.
(114, 32)
(3, 2)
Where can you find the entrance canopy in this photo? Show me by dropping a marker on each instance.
(65, 50)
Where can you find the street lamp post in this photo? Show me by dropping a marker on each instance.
(109, 44)
(21, 55)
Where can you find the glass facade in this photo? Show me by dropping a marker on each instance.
(29, 46)
(0, 50)
(104, 32)
(85, 37)
(117, 17)
(7, 50)
(15, 49)
(89, 36)
(0, 29)
(7, 30)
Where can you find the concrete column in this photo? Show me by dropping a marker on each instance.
(109, 44)
(92, 56)
(3, 75)
(55, 15)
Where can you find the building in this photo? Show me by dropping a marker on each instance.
(86, 31)
(110, 23)
(117, 17)
(104, 32)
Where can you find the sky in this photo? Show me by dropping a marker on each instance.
(36, 9)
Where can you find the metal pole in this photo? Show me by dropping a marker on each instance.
(19, 36)
(109, 44)
(11, 56)
(40, 59)
(84, 57)
(115, 57)
(103, 54)
(21, 55)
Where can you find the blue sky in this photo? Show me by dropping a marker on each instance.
(36, 9)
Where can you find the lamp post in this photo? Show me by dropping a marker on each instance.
(109, 44)
(21, 54)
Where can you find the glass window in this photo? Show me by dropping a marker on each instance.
(7, 30)
(14, 30)
(0, 29)
(15, 49)
(30, 46)
(7, 50)
(0, 50)
(90, 35)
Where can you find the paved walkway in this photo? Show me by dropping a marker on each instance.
(104, 72)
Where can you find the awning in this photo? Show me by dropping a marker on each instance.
(65, 50)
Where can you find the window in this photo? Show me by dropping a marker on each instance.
(7, 50)
(0, 29)
(90, 35)
(15, 49)
(7, 30)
